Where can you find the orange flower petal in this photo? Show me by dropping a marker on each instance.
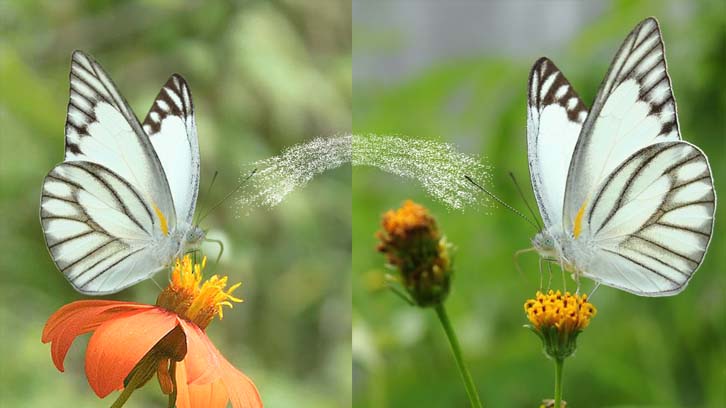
(80, 317)
(118, 345)
(212, 395)
(201, 362)
(240, 389)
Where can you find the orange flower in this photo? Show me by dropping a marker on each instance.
(412, 243)
(131, 342)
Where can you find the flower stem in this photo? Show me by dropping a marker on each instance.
(559, 362)
(456, 349)
(125, 394)
(138, 376)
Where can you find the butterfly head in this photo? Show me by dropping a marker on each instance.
(545, 243)
(194, 236)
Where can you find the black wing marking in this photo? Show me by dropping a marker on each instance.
(172, 130)
(554, 118)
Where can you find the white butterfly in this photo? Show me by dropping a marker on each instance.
(119, 208)
(624, 200)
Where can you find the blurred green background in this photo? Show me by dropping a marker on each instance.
(264, 75)
(457, 72)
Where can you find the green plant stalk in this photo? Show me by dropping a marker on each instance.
(456, 350)
(559, 363)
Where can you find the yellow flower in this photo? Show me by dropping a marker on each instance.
(566, 312)
(558, 319)
(187, 296)
(411, 242)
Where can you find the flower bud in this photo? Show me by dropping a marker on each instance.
(412, 244)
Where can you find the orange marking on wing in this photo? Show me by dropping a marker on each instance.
(578, 220)
(162, 220)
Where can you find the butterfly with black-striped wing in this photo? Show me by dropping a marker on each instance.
(624, 200)
(119, 207)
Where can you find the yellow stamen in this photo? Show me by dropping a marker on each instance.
(193, 299)
(565, 312)
(578, 220)
(162, 220)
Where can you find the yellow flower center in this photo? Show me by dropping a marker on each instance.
(193, 299)
(568, 313)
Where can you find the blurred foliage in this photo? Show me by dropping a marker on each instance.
(264, 75)
(665, 352)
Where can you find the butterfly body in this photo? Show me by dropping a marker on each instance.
(624, 200)
(119, 207)
(167, 248)
(573, 255)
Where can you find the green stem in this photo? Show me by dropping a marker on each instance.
(559, 362)
(138, 376)
(125, 394)
(456, 349)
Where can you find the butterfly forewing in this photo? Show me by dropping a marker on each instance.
(634, 108)
(107, 211)
(555, 115)
(655, 213)
(101, 128)
(173, 134)
(97, 227)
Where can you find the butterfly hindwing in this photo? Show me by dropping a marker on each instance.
(172, 131)
(555, 114)
(655, 212)
(97, 227)
(634, 108)
(101, 128)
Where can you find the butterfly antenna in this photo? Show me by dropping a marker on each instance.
(214, 207)
(502, 203)
(209, 190)
(521, 194)
(515, 258)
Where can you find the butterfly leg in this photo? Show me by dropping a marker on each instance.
(549, 261)
(549, 280)
(564, 278)
(597, 285)
(519, 268)
(577, 281)
(194, 253)
(156, 283)
(540, 274)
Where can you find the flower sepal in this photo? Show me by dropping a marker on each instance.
(556, 344)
